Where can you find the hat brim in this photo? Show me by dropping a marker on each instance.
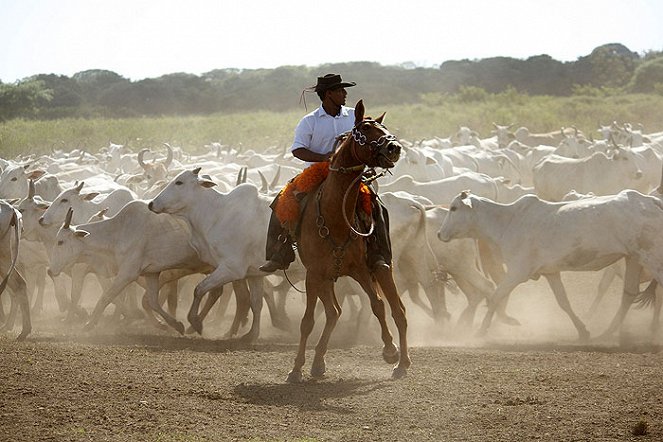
(317, 88)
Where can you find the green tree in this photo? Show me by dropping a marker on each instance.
(23, 99)
(647, 76)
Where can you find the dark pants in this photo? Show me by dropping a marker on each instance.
(279, 243)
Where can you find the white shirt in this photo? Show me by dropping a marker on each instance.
(317, 131)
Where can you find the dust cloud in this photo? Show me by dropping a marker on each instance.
(543, 324)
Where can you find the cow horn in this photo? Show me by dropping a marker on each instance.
(264, 188)
(31, 189)
(140, 157)
(67, 219)
(196, 171)
(275, 181)
(169, 158)
(80, 186)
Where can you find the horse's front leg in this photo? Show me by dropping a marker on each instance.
(389, 352)
(332, 313)
(305, 329)
(386, 281)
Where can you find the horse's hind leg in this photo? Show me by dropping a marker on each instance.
(305, 329)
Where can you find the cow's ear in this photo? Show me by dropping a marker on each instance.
(467, 202)
(90, 196)
(81, 233)
(206, 183)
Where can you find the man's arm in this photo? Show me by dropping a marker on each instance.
(309, 156)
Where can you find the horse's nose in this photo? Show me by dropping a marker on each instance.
(394, 148)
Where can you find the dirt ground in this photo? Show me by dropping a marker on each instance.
(131, 382)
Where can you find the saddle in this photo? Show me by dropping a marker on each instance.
(293, 198)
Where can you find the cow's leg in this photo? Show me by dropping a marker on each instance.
(630, 292)
(279, 320)
(60, 291)
(502, 292)
(18, 288)
(466, 319)
(306, 326)
(243, 301)
(257, 289)
(607, 276)
(152, 280)
(169, 291)
(37, 283)
(332, 313)
(220, 276)
(385, 279)
(658, 301)
(149, 313)
(78, 273)
(109, 295)
(555, 282)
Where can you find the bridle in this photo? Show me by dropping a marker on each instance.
(361, 140)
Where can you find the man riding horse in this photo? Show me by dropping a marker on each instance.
(316, 136)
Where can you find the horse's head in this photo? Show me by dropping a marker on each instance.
(377, 147)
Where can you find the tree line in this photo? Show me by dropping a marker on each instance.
(608, 69)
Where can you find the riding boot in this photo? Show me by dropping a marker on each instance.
(378, 247)
(279, 251)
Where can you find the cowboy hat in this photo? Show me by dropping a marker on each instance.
(330, 81)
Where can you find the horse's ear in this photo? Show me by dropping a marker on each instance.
(359, 112)
(380, 118)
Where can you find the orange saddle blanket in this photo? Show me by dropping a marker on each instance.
(287, 207)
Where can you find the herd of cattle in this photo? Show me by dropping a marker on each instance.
(488, 214)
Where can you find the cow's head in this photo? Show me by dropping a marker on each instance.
(456, 224)
(69, 244)
(177, 196)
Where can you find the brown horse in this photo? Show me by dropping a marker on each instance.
(330, 247)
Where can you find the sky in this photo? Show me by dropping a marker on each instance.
(149, 38)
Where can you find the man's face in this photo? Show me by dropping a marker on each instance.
(338, 96)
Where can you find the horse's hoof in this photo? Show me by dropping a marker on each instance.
(391, 357)
(398, 372)
(318, 370)
(294, 377)
(179, 327)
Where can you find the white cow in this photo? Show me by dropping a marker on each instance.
(535, 237)
(228, 232)
(14, 182)
(10, 227)
(555, 176)
(132, 243)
